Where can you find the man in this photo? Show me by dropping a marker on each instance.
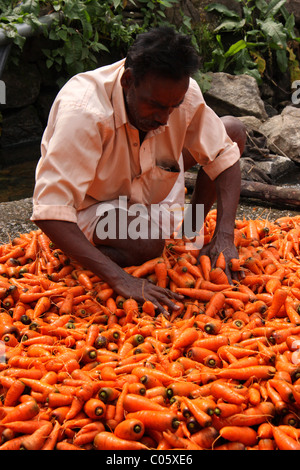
(130, 129)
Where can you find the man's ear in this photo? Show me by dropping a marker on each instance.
(127, 79)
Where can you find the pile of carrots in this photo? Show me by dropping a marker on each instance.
(82, 368)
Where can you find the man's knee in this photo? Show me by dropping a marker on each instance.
(236, 130)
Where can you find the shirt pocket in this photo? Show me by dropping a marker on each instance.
(155, 184)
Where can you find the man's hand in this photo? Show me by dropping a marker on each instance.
(141, 290)
(222, 243)
(69, 238)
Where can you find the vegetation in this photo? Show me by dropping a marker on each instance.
(261, 41)
(83, 29)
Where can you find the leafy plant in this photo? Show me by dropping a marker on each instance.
(262, 39)
(84, 30)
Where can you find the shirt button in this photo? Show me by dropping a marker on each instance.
(135, 144)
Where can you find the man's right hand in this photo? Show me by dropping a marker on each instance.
(70, 239)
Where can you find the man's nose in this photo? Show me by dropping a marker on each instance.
(162, 116)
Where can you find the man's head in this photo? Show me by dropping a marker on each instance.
(156, 78)
(162, 51)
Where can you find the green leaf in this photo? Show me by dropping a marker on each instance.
(282, 60)
(235, 48)
(262, 7)
(231, 25)
(274, 7)
(290, 25)
(274, 32)
(203, 80)
(222, 9)
(73, 49)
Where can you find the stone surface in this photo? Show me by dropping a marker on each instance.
(251, 122)
(21, 126)
(283, 133)
(276, 165)
(235, 95)
(22, 85)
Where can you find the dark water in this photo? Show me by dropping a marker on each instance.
(17, 171)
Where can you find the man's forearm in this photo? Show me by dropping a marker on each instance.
(70, 239)
(228, 186)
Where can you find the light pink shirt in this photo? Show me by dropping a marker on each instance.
(90, 152)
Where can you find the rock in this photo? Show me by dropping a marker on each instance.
(251, 171)
(237, 95)
(283, 133)
(276, 165)
(21, 126)
(251, 122)
(22, 85)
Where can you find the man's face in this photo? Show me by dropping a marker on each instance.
(150, 103)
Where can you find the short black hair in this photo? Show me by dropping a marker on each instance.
(164, 51)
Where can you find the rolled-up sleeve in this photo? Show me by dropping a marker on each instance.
(207, 139)
(71, 149)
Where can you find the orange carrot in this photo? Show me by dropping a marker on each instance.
(221, 390)
(149, 308)
(130, 429)
(26, 427)
(279, 299)
(217, 276)
(146, 268)
(22, 412)
(51, 440)
(67, 304)
(131, 308)
(205, 437)
(201, 416)
(259, 372)
(248, 436)
(215, 304)
(284, 441)
(205, 264)
(201, 294)
(108, 441)
(158, 420)
(94, 408)
(181, 279)
(65, 445)
(14, 392)
(133, 403)
(185, 338)
(36, 440)
(161, 272)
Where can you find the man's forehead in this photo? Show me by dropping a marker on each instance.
(157, 88)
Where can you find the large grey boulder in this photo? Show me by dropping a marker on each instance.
(237, 95)
(283, 133)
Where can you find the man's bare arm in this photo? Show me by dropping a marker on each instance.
(70, 239)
